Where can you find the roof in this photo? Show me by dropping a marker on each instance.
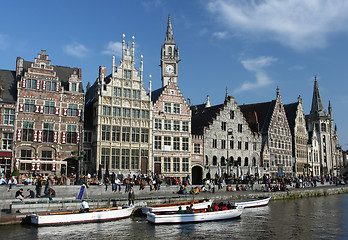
(291, 110)
(202, 117)
(64, 73)
(258, 115)
(8, 84)
(157, 93)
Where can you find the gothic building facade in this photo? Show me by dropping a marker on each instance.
(119, 110)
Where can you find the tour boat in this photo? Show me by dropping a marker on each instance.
(197, 216)
(252, 202)
(103, 214)
(173, 207)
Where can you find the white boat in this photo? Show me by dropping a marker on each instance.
(174, 207)
(201, 216)
(104, 214)
(252, 202)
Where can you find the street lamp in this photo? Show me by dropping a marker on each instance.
(229, 133)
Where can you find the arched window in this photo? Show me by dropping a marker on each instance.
(246, 162)
(323, 127)
(254, 162)
(223, 162)
(238, 162)
(206, 161)
(214, 160)
(170, 50)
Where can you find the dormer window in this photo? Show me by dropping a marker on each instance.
(73, 87)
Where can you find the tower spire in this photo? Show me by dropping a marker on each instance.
(317, 109)
(169, 34)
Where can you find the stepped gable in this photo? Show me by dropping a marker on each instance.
(203, 117)
(157, 93)
(290, 110)
(63, 73)
(258, 115)
(8, 85)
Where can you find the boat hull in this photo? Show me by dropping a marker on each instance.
(252, 203)
(194, 217)
(71, 218)
(175, 207)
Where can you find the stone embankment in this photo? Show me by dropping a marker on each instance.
(13, 210)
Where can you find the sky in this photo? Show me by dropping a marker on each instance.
(250, 47)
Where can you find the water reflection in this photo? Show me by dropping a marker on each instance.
(310, 218)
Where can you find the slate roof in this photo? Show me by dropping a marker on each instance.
(8, 83)
(157, 93)
(202, 117)
(258, 115)
(290, 110)
(64, 73)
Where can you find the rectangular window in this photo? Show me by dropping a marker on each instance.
(176, 108)
(197, 148)
(145, 114)
(185, 144)
(105, 157)
(239, 145)
(126, 93)
(117, 92)
(50, 107)
(240, 128)
(9, 116)
(106, 111)
(136, 94)
(71, 134)
(223, 126)
(135, 134)
(231, 144)
(167, 107)
(73, 87)
(166, 164)
(47, 132)
(88, 156)
(116, 112)
(51, 86)
(72, 110)
(126, 112)
(116, 133)
(7, 139)
(106, 133)
(158, 142)
(144, 135)
(125, 159)
(87, 137)
(135, 159)
(135, 113)
(176, 126)
(185, 165)
(29, 105)
(246, 146)
(176, 143)
(254, 146)
(223, 144)
(127, 74)
(167, 124)
(125, 134)
(158, 124)
(167, 141)
(214, 143)
(28, 131)
(231, 114)
(176, 164)
(31, 83)
(115, 158)
(185, 126)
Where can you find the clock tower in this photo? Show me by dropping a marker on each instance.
(169, 57)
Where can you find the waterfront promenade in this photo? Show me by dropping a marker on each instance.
(13, 210)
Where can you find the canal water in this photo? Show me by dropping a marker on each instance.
(308, 218)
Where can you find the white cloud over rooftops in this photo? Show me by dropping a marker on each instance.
(113, 48)
(3, 42)
(298, 24)
(77, 50)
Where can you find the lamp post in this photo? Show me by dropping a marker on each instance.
(229, 133)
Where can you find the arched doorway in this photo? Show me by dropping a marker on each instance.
(197, 175)
(72, 166)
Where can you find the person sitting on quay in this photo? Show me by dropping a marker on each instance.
(180, 211)
(11, 182)
(31, 194)
(51, 193)
(19, 194)
(84, 207)
(204, 189)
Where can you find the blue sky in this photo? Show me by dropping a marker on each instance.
(248, 46)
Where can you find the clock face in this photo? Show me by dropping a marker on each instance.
(170, 69)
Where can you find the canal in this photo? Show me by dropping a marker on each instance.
(307, 218)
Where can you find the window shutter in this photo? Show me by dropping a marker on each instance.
(39, 138)
(17, 163)
(57, 110)
(65, 111)
(41, 109)
(19, 135)
(21, 107)
(43, 85)
(53, 166)
(78, 137)
(37, 166)
(32, 166)
(24, 83)
(79, 112)
(55, 137)
(37, 109)
(35, 136)
(38, 85)
(63, 137)
(58, 86)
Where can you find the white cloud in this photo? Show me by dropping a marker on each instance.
(298, 24)
(257, 66)
(113, 47)
(76, 50)
(3, 42)
(220, 35)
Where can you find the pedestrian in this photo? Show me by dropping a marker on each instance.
(38, 186)
(131, 197)
(31, 194)
(107, 182)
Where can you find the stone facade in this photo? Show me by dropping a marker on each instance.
(49, 113)
(119, 110)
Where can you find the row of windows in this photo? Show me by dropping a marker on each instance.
(174, 164)
(280, 144)
(172, 108)
(125, 112)
(281, 159)
(171, 143)
(231, 161)
(224, 127)
(171, 125)
(231, 144)
(49, 108)
(124, 134)
(47, 85)
(116, 158)
(127, 93)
